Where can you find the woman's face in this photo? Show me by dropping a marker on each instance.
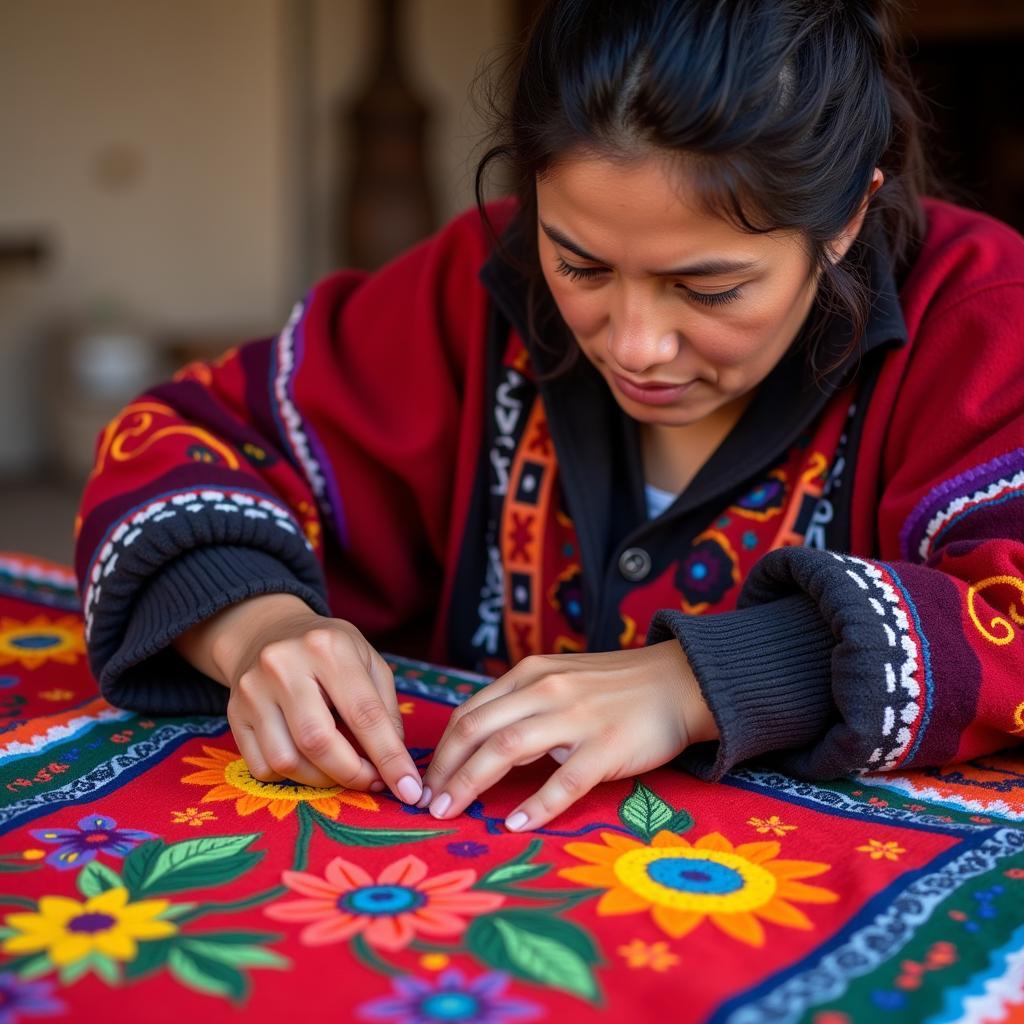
(682, 313)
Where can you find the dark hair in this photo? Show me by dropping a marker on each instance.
(782, 107)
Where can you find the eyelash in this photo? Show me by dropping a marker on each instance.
(703, 298)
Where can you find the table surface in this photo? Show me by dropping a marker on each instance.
(145, 875)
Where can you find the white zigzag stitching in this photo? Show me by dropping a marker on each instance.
(897, 635)
(290, 415)
(935, 524)
(130, 529)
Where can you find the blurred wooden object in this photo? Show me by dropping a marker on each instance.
(960, 18)
(390, 204)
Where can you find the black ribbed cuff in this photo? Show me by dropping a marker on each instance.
(765, 672)
(146, 674)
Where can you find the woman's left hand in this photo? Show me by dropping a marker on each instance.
(604, 716)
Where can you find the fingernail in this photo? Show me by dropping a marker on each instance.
(377, 787)
(425, 799)
(440, 805)
(516, 821)
(409, 789)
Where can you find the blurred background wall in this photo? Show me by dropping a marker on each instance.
(175, 173)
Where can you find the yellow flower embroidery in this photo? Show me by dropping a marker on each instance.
(681, 884)
(772, 824)
(879, 850)
(69, 930)
(406, 707)
(32, 644)
(192, 816)
(56, 694)
(655, 955)
(226, 771)
(434, 961)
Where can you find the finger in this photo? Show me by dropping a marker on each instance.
(472, 728)
(365, 712)
(249, 748)
(518, 677)
(577, 777)
(320, 743)
(518, 742)
(280, 752)
(384, 680)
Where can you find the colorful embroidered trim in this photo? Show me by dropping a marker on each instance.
(899, 621)
(992, 483)
(249, 505)
(286, 358)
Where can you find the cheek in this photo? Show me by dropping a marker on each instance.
(584, 311)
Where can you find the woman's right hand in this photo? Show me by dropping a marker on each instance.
(288, 670)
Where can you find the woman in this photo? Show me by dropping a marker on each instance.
(717, 454)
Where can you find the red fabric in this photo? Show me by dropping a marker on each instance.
(834, 903)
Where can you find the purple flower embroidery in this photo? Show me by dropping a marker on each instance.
(18, 997)
(416, 1001)
(707, 572)
(467, 848)
(95, 833)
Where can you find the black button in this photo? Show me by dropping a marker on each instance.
(635, 564)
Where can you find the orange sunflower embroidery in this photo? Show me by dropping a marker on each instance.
(33, 643)
(389, 911)
(226, 771)
(681, 883)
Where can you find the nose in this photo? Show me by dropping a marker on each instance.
(639, 338)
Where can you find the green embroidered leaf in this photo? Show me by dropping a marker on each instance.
(681, 821)
(241, 955)
(18, 865)
(31, 967)
(351, 835)
(506, 873)
(529, 853)
(538, 947)
(205, 875)
(106, 968)
(99, 964)
(95, 878)
(644, 811)
(137, 865)
(176, 910)
(152, 956)
(192, 852)
(205, 975)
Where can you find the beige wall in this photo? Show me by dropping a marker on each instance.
(183, 155)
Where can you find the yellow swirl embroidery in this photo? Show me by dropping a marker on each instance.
(1007, 632)
(1018, 719)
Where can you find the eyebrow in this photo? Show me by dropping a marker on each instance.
(703, 268)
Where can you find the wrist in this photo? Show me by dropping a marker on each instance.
(218, 645)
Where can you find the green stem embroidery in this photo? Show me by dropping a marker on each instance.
(19, 901)
(302, 841)
(434, 947)
(362, 951)
(228, 907)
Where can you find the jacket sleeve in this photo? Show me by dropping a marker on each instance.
(321, 462)
(834, 663)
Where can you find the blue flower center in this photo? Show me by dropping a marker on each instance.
(450, 1006)
(698, 876)
(38, 642)
(91, 923)
(381, 899)
(698, 571)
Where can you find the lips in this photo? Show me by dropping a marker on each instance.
(651, 393)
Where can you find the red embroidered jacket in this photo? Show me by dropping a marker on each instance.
(846, 573)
